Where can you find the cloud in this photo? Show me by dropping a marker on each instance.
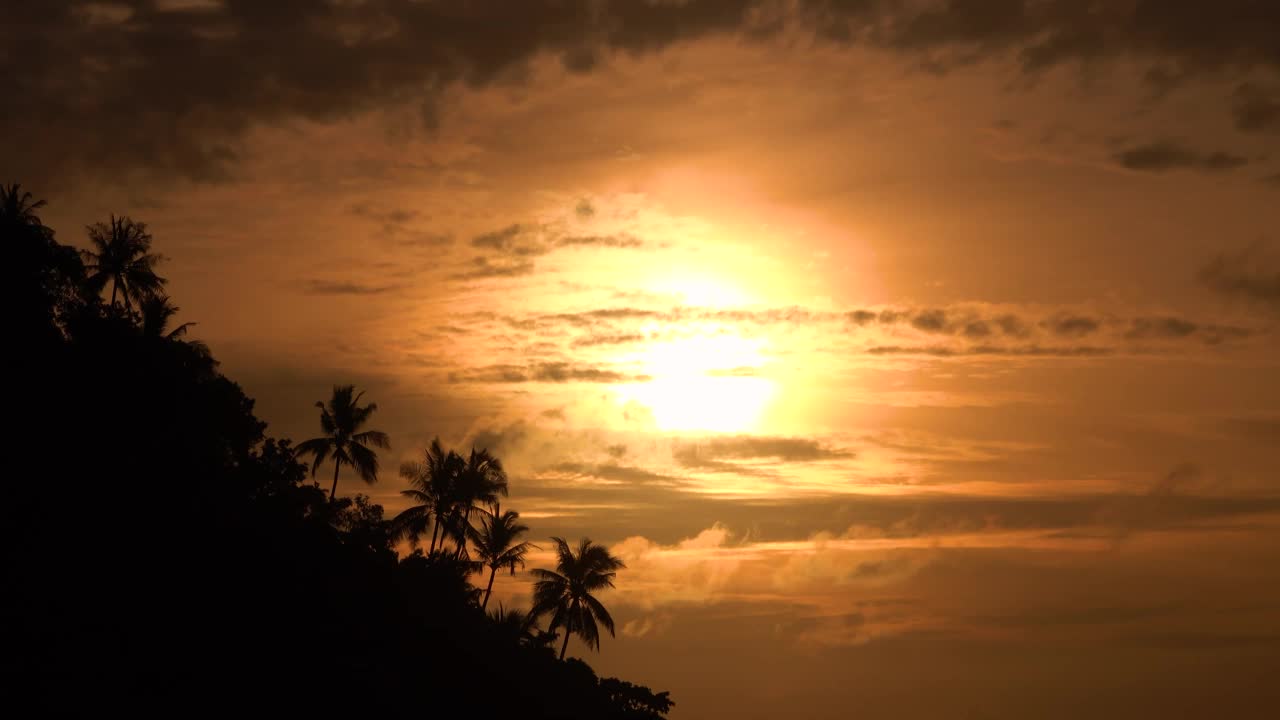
(1012, 325)
(1255, 109)
(392, 217)
(482, 267)
(614, 339)
(932, 321)
(73, 61)
(510, 250)
(1073, 326)
(512, 240)
(1159, 327)
(1264, 428)
(750, 447)
(617, 473)
(344, 287)
(1163, 156)
(612, 241)
(1016, 351)
(546, 372)
(1248, 274)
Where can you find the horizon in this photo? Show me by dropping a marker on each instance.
(917, 359)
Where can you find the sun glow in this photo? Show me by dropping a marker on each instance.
(709, 382)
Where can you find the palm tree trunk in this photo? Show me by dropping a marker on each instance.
(337, 464)
(462, 534)
(434, 531)
(565, 646)
(492, 572)
(115, 285)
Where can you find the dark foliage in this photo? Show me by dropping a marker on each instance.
(162, 555)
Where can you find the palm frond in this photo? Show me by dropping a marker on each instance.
(364, 461)
(376, 438)
(318, 447)
(599, 612)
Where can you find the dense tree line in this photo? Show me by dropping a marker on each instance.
(163, 554)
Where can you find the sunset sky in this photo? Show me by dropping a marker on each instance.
(919, 358)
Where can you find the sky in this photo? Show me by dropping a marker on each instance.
(918, 358)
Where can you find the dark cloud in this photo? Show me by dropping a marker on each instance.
(933, 321)
(1159, 327)
(1265, 428)
(547, 372)
(749, 447)
(977, 350)
(1012, 325)
(511, 249)
(391, 217)
(613, 241)
(1163, 156)
(616, 339)
(396, 224)
(1256, 109)
(618, 473)
(342, 287)
(1218, 334)
(860, 317)
(1073, 326)
(482, 267)
(513, 240)
(1248, 274)
(176, 91)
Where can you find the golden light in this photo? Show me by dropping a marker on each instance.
(708, 382)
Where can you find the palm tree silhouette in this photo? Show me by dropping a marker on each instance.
(341, 421)
(480, 482)
(156, 312)
(17, 209)
(433, 486)
(518, 626)
(122, 255)
(566, 592)
(496, 545)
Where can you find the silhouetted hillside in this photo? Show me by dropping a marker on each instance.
(163, 555)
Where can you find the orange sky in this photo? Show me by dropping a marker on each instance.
(920, 359)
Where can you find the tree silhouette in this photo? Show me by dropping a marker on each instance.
(480, 482)
(39, 279)
(433, 487)
(18, 209)
(122, 255)
(565, 593)
(270, 578)
(341, 421)
(156, 313)
(496, 545)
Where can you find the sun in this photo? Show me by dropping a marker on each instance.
(710, 383)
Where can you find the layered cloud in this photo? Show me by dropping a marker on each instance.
(174, 87)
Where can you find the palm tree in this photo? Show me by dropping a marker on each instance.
(496, 544)
(479, 483)
(157, 311)
(341, 420)
(17, 209)
(566, 592)
(122, 255)
(517, 626)
(433, 486)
